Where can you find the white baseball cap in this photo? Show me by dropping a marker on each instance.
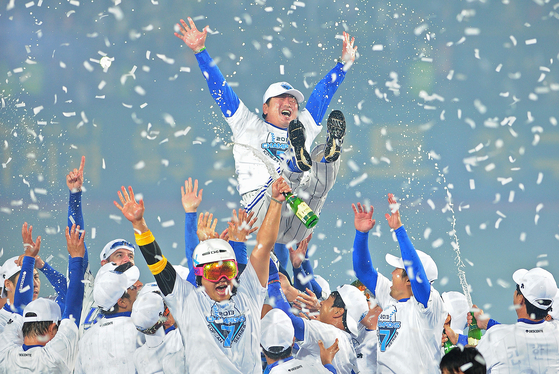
(8, 270)
(41, 310)
(212, 250)
(323, 283)
(147, 312)
(537, 285)
(276, 330)
(113, 246)
(457, 306)
(428, 264)
(110, 284)
(280, 88)
(356, 306)
(554, 313)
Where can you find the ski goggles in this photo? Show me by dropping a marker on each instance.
(214, 271)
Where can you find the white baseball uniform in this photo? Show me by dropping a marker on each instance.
(108, 347)
(5, 316)
(162, 353)
(90, 312)
(366, 349)
(409, 334)
(521, 348)
(220, 337)
(345, 360)
(57, 356)
(295, 366)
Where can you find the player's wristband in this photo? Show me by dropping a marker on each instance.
(200, 50)
(144, 238)
(276, 200)
(159, 266)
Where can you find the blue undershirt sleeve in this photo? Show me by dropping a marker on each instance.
(331, 368)
(462, 340)
(324, 91)
(75, 213)
(73, 306)
(492, 323)
(190, 243)
(240, 249)
(362, 264)
(275, 291)
(58, 281)
(23, 294)
(313, 284)
(282, 253)
(298, 274)
(419, 283)
(223, 94)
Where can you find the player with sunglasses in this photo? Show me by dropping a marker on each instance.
(223, 314)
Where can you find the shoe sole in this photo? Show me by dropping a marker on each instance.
(296, 139)
(336, 132)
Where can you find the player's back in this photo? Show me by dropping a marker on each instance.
(521, 348)
(108, 346)
(296, 366)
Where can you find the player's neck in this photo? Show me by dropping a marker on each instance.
(29, 341)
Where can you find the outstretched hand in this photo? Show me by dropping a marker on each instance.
(190, 35)
(327, 354)
(363, 220)
(131, 209)
(241, 226)
(393, 219)
(348, 52)
(31, 247)
(74, 242)
(74, 179)
(297, 256)
(206, 227)
(190, 196)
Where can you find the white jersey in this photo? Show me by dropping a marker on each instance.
(521, 348)
(366, 349)
(220, 337)
(57, 356)
(295, 366)
(161, 354)
(409, 334)
(5, 316)
(345, 360)
(270, 141)
(90, 313)
(108, 347)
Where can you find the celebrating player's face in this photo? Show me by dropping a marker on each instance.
(281, 110)
(220, 290)
(121, 256)
(399, 289)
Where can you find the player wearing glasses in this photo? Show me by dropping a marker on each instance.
(220, 321)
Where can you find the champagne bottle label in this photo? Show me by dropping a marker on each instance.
(302, 211)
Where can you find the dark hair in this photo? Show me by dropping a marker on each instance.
(533, 311)
(339, 303)
(456, 360)
(278, 353)
(115, 308)
(268, 103)
(404, 274)
(13, 278)
(31, 329)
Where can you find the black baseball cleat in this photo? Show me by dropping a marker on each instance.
(336, 133)
(301, 160)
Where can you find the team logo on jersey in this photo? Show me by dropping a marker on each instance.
(226, 323)
(275, 146)
(387, 328)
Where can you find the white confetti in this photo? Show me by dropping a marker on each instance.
(437, 243)
(140, 165)
(426, 233)
(531, 41)
(358, 180)
(115, 218)
(168, 223)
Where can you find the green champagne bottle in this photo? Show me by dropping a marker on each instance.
(474, 332)
(447, 345)
(301, 210)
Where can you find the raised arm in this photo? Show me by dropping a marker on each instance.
(220, 90)
(76, 250)
(322, 94)
(191, 199)
(74, 182)
(164, 273)
(268, 233)
(362, 263)
(419, 283)
(23, 293)
(240, 227)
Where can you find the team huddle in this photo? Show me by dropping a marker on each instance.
(234, 310)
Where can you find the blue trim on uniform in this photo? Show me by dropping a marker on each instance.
(168, 330)
(530, 322)
(362, 263)
(271, 366)
(492, 323)
(403, 300)
(121, 314)
(27, 347)
(332, 369)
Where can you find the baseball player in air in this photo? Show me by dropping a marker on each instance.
(44, 340)
(261, 144)
(220, 320)
(413, 313)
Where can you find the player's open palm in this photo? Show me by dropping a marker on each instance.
(190, 196)
(190, 35)
(363, 220)
(31, 247)
(393, 219)
(327, 354)
(130, 208)
(74, 242)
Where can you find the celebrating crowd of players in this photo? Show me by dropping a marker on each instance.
(233, 310)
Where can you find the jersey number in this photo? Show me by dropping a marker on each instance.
(385, 336)
(230, 329)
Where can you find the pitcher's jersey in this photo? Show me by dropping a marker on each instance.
(163, 354)
(108, 347)
(345, 360)
(263, 138)
(521, 348)
(220, 337)
(409, 335)
(57, 356)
